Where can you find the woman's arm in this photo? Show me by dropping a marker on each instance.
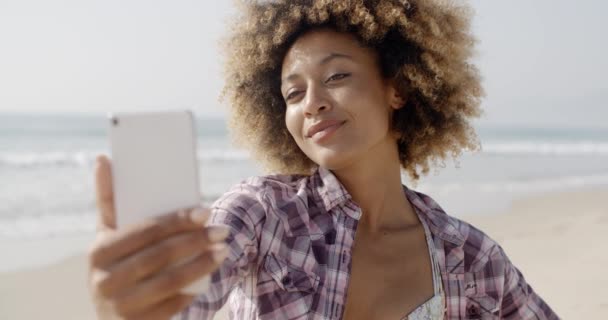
(242, 211)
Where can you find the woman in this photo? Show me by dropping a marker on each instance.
(337, 97)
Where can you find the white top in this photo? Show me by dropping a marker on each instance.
(432, 309)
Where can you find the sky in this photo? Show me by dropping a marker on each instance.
(543, 62)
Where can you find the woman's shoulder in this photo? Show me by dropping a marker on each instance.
(473, 245)
(262, 189)
(479, 246)
(262, 202)
(481, 270)
(480, 251)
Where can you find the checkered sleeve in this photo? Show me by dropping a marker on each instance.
(241, 211)
(520, 301)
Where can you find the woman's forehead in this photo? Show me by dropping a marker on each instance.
(320, 46)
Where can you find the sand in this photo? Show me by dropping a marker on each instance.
(559, 241)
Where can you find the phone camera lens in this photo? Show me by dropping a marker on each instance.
(115, 121)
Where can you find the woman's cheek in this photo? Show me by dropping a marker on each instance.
(293, 123)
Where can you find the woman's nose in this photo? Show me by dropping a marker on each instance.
(315, 102)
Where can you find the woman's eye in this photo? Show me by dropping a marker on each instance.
(337, 76)
(292, 95)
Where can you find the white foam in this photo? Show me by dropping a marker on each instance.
(520, 186)
(81, 158)
(53, 158)
(547, 148)
(47, 225)
(86, 158)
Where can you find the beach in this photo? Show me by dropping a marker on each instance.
(558, 240)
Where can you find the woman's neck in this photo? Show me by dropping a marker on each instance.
(375, 185)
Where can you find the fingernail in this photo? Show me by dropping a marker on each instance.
(217, 233)
(199, 215)
(100, 158)
(220, 253)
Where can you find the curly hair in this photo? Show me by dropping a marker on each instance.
(423, 45)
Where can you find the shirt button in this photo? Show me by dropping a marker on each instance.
(473, 312)
(344, 256)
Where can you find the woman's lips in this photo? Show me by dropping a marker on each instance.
(327, 132)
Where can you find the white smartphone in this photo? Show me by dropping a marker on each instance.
(154, 167)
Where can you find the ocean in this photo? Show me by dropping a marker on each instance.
(46, 169)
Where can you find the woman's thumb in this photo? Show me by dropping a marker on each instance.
(106, 214)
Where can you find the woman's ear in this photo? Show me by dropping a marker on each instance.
(396, 99)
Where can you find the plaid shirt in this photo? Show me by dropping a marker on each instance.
(290, 256)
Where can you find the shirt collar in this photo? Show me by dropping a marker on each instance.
(440, 223)
(333, 193)
(329, 188)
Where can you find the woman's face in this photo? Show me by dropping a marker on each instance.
(338, 104)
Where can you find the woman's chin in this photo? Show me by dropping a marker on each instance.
(331, 160)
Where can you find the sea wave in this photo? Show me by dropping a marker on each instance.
(87, 158)
(519, 186)
(82, 158)
(47, 225)
(569, 148)
(50, 224)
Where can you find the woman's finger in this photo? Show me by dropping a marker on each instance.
(149, 261)
(130, 239)
(171, 281)
(165, 309)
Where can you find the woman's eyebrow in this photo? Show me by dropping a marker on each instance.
(325, 60)
(334, 55)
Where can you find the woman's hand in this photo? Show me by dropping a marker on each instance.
(136, 272)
